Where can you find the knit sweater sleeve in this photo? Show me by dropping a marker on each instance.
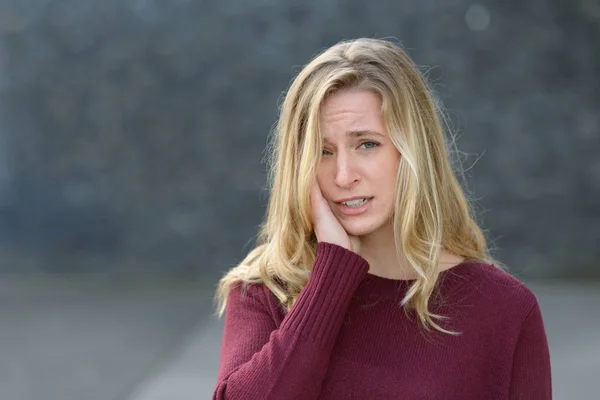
(531, 376)
(262, 361)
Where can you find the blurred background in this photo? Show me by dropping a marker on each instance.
(132, 134)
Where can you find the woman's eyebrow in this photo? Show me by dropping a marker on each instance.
(357, 134)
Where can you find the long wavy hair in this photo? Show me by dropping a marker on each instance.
(431, 211)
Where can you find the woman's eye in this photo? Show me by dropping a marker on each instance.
(370, 145)
(367, 145)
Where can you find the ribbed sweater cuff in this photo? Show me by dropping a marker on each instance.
(319, 311)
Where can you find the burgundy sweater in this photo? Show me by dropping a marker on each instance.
(347, 337)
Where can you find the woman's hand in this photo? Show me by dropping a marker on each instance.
(326, 225)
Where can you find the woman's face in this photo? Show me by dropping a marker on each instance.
(359, 161)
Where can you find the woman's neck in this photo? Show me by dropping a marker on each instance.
(379, 249)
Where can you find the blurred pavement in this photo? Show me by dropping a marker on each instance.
(159, 342)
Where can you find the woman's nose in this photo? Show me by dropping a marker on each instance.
(345, 174)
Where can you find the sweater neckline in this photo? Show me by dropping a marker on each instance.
(374, 284)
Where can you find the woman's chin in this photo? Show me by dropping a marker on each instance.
(359, 229)
(365, 227)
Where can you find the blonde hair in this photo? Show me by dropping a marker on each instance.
(431, 212)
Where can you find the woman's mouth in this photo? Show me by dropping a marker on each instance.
(355, 206)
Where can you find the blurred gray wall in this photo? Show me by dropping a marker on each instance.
(132, 131)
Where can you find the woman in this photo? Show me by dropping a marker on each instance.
(372, 279)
